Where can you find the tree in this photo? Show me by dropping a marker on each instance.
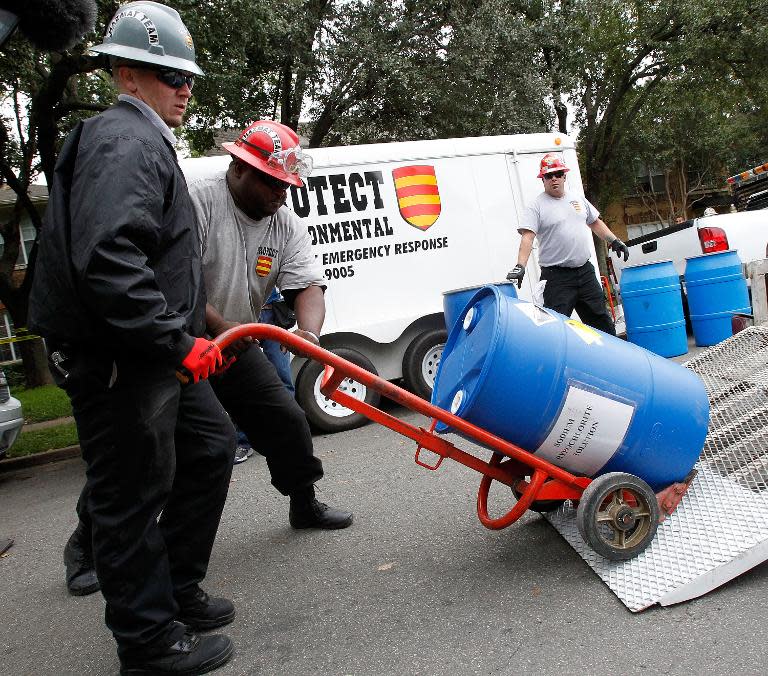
(688, 136)
(428, 70)
(358, 71)
(239, 45)
(46, 94)
(606, 59)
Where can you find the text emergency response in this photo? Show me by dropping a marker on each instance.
(354, 194)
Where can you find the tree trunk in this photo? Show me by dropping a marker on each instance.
(35, 360)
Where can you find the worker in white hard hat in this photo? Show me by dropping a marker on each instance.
(557, 217)
(118, 294)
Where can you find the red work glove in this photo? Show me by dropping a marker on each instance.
(203, 359)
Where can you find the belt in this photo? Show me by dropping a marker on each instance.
(562, 267)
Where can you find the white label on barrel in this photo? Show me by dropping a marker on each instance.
(537, 315)
(587, 433)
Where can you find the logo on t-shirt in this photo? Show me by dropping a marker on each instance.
(263, 265)
(577, 206)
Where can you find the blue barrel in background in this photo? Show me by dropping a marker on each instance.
(455, 300)
(586, 401)
(653, 308)
(716, 291)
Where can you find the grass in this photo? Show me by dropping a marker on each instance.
(43, 403)
(38, 441)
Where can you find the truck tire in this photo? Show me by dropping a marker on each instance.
(421, 360)
(323, 414)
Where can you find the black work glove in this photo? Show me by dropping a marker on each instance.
(618, 247)
(517, 273)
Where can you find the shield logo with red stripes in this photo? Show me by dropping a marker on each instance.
(417, 195)
(263, 265)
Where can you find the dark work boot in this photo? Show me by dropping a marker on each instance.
(189, 656)
(307, 512)
(202, 612)
(78, 561)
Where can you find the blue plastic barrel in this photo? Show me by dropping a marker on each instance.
(716, 291)
(586, 401)
(455, 300)
(653, 308)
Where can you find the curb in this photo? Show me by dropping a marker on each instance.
(11, 464)
(45, 424)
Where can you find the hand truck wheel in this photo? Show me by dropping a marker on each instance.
(618, 515)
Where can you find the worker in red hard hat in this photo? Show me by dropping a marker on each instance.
(252, 243)
(273, 149)
(557, 217)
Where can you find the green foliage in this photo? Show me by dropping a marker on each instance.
(14, 374)
(428, 70)
(686, 122)
(239, 44)
(43, 403)
(611, 59)
(47, 439)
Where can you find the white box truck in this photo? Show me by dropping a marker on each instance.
(395, 225)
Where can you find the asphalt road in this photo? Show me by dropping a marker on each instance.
(415, 586)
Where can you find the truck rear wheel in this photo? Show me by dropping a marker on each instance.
(324, 414)
(421, 360)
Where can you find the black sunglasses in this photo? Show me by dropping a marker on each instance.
(175, 79)
(555, 174)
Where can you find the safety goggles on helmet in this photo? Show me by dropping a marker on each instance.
(291, 161)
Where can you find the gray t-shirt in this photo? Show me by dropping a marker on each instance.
(559, 224)
(243, 259)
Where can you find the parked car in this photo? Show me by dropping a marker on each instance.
(11, 418)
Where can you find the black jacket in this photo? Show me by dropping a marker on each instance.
(119, 258)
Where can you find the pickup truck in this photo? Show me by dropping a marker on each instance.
(746, 232)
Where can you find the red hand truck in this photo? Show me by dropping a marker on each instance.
(617, 513)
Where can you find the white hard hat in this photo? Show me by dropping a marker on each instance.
(150, 32)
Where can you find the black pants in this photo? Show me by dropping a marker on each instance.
(570, 289)
(261, 406)
(159, 459)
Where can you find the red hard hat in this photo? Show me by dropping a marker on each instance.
(273, 148)
(551, 162)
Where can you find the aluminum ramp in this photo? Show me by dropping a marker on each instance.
(720, 529)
